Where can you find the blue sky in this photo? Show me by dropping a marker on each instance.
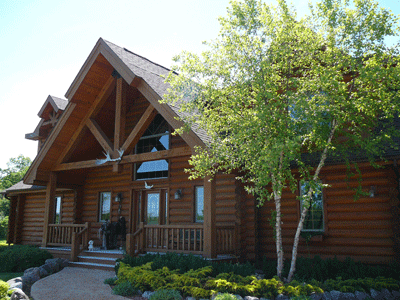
(45, 43)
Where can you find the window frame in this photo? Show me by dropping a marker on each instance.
(100, 206)
(323, 210)
(195, 208)
(55, 210)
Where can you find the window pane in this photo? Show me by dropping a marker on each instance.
(315, 215)
(152, 169)
(57, 214)
(105, 202)
(199, 204)
(153, 208)
(166, 207)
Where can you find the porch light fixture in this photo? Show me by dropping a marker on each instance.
(118, 198)
(178, 194)
(372, 191)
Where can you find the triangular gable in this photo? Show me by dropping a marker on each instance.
(92, 82)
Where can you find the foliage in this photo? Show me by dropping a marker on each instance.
(4, 290)
(8, 276)
(3, 227)
(16, 169)
(225, 296)
(361, 284)
(125, 289)
(166, 295)
(183, 263)
(18, 258)
(110, 281)
(199, 283)
(318, 269)
(272, 87)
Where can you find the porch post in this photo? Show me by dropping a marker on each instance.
(210, 235)
(49, 206)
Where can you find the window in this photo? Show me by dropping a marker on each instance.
(57, 210)
(315, 216)
(155, 138)
(199, 204)
(104, 206)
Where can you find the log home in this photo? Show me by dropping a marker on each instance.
(108, 152)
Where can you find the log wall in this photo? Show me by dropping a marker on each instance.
(361, 229)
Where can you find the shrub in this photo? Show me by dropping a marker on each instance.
(225, 296)
(125, 289)
(166, 295)
(18, 258)
(3, 227)
(4, 290)
(110, 281)
(361, 284)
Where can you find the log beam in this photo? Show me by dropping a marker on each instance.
(165, 154)
(99, 135)
(210, 235)
(49, 206)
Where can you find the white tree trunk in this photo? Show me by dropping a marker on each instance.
(278, 230)
(305, 209)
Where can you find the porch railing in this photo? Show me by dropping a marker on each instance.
(61, 234)
(178, 238)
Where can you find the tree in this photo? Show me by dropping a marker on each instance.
(274, 90)
(16, 169)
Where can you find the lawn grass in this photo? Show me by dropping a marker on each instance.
(7, 276)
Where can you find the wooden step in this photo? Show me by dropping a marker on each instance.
(88, 265)
(97, 260)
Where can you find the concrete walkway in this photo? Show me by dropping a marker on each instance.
(75, 284)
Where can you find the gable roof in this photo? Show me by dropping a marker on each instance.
(103, 61)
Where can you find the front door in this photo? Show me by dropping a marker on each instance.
(153, 207)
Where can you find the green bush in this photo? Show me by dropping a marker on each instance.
(321, 270)
(18, 258)
(225, 296)
(361, 284)
(125, 289)
(110, 281)
(166, 295)
(4, 290)
(3, 227)
(184, 263)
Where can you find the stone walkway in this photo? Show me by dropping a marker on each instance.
(75, 284)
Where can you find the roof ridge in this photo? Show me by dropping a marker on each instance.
(154, 63)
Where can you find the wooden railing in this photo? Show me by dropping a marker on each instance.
(178, 238)
(80, 241)
(61, 234)
(226, 239)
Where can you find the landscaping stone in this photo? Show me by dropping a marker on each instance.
(282, 297)
(48, 268)
(335, 295)
(250, 298)
(190, 298)
(315, 296)
(376, 295)
(15, 283)
(347, 296)
(386, 294)
(43, 272)
(238, 297)
(31, 275)
(18, 294)
(360, 295)
(55, 267)
(396, 294)
(147, 294)
(326, 296)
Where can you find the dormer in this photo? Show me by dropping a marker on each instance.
(49, 115)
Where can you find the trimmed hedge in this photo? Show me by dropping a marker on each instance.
(18, 258)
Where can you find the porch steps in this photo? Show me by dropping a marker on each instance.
(98, 259)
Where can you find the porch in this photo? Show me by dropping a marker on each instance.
(150, 238)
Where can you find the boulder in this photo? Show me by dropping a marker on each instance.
(190, 298)
(361, 295)
(335, 295)
(376, 295)
(250, 298)
(147, 294)
(238, 297)
(30, 277)
(396, 294)
(282, 297)
(326, 296)
(18, 294)
(315, 296)
(48, 268)
(15, 283)
(43, 272)
(386, 294)
(347, 296)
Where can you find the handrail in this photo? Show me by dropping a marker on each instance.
(78, 238)
(134, 241)
(61, 234)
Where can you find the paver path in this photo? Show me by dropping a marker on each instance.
(75, 284)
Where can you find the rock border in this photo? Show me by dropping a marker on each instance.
(384, 294)
(21, 286)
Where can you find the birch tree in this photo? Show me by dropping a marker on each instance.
(273, 90)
